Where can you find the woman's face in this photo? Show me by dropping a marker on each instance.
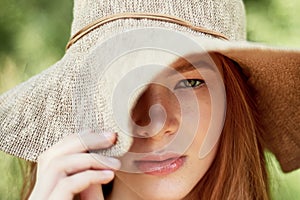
(170, 175)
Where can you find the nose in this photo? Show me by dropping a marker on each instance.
(156, 113)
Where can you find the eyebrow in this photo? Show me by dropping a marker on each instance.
(186, 67)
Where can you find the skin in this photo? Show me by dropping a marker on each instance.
(67, 169)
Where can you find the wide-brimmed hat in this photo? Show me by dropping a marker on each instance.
(39, 112)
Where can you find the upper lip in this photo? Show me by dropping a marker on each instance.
(160, 157)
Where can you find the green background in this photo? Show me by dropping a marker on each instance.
(33, 35)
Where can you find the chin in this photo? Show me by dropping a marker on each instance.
(158, 187)
(164, 195)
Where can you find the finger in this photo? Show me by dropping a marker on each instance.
(72, 185)
(79, 143)
(92, 192)
(70, 164)
(59, 168)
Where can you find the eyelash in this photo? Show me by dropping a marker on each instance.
(189, 83)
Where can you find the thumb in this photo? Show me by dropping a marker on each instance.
(92, 192)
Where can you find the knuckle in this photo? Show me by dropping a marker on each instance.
(55, 167)
(81, 141)
(55, 164)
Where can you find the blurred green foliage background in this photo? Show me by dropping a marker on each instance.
(33, 35)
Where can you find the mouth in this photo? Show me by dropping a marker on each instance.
(160, 164)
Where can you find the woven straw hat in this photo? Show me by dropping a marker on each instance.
(39, 112)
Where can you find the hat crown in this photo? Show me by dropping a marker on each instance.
(223, 16)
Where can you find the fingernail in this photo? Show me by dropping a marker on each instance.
(108, 173)
(108, 135)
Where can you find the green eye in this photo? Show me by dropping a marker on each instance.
(189, 83)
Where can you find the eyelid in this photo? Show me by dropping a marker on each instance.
(202, 82)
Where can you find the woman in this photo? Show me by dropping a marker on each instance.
(233, 169)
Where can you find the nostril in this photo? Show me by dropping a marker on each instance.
(139, 129)
(169, 132)
(142, 122)
(141, 133)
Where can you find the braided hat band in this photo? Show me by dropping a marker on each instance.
(152, 16)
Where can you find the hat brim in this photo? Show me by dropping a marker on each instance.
(274, 74)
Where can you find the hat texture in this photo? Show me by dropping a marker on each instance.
(39, 112)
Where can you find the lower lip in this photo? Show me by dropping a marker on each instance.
(160, 168)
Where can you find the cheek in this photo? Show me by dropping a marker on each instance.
(201, 117)
(197, 165)
(196, 109)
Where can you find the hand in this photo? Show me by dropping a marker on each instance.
(67, 169)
